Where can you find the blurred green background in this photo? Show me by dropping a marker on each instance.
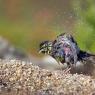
(26, 23)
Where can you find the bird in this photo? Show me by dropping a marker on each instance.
(64, 49)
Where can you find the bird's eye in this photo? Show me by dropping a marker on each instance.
(43, 45)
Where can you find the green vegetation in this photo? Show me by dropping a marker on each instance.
(85, 24)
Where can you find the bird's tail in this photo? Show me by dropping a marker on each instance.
(83, 54)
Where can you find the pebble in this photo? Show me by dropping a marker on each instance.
(27, 79)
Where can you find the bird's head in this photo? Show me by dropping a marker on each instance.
(45, 47)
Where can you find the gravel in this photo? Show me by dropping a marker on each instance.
(23, 78)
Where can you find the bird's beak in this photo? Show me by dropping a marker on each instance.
(40, 51)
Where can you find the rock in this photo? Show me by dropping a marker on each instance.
(8, 51)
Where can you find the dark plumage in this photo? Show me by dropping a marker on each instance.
(64, 49)
(67, 46)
